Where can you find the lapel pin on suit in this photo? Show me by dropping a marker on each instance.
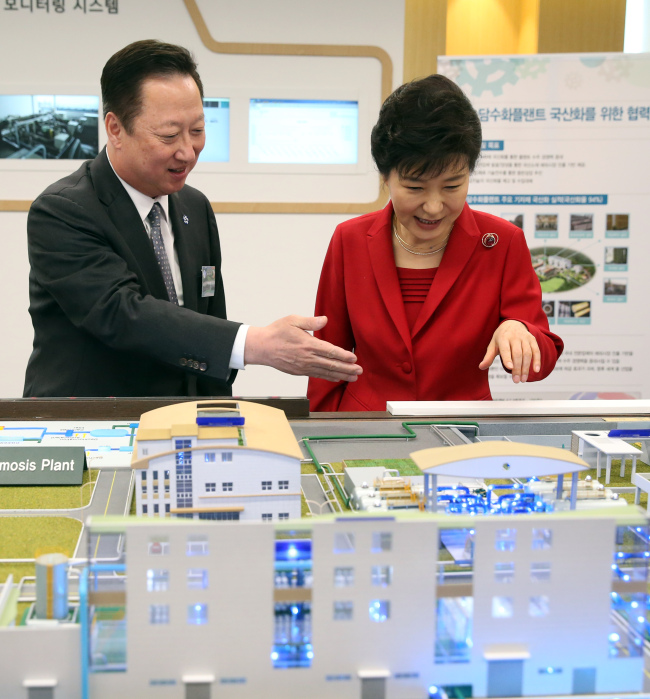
(186, 220)
(489, 240)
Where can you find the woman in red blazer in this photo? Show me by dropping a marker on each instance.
(428, 292)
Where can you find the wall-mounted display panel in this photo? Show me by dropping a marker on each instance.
(49, 127)
(217, 131)
(303, 131)
(300, 143)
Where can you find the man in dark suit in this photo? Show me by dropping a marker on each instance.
(126, 295)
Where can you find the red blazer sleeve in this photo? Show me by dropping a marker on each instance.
(521, 299)
(331, 301)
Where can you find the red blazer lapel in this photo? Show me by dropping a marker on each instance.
(460, 248)
(382, 260)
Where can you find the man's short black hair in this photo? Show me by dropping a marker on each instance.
(126, 70)
(424, 128)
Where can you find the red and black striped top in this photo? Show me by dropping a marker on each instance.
(414, 285)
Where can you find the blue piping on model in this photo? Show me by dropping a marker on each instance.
(83, 616)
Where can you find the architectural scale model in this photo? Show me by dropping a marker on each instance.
(457, 476)
(107, 444)
(371, 607)
(506, 574)
(217, 460)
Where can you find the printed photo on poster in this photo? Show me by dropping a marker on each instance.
(561, 269)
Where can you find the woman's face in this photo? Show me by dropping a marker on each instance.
(426, 207)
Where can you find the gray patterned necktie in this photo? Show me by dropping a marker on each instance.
(159, 250)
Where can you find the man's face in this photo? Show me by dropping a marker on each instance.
(166, 137)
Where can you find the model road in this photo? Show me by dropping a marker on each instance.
(314, 493)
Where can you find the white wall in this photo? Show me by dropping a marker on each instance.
(31, 653)
(271, 268)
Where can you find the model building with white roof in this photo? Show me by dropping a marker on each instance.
(219, 460)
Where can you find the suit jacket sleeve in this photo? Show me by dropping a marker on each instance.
(77, 262)
(521, 299)
(331, 301)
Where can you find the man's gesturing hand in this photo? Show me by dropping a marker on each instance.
(286, 345)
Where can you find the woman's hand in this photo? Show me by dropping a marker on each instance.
(517, 347)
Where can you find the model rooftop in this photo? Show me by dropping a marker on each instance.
(497, 460)
(266, 428)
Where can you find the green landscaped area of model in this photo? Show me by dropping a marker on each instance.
(616, 481)
(28, 537)
(61, 497)
(405, 467)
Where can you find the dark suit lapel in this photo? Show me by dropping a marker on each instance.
(382, 260)
(184, 227)
(128, 224)
(462, 242)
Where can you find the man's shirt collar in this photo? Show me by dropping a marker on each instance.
(142, 202)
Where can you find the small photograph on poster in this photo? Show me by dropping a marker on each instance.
(546, 225)
(49, 127)
(618, 226)
(549, 309)
(581, 226)
(615, 290)
(574, 312)
(561, 269)
(615, 259)
(515, 219)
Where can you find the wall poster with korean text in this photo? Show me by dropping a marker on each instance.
(566, 142)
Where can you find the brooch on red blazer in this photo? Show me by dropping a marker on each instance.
(489, 240)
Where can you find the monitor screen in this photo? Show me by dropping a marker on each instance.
(217, 131)
(303, 131)
(49, 127)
